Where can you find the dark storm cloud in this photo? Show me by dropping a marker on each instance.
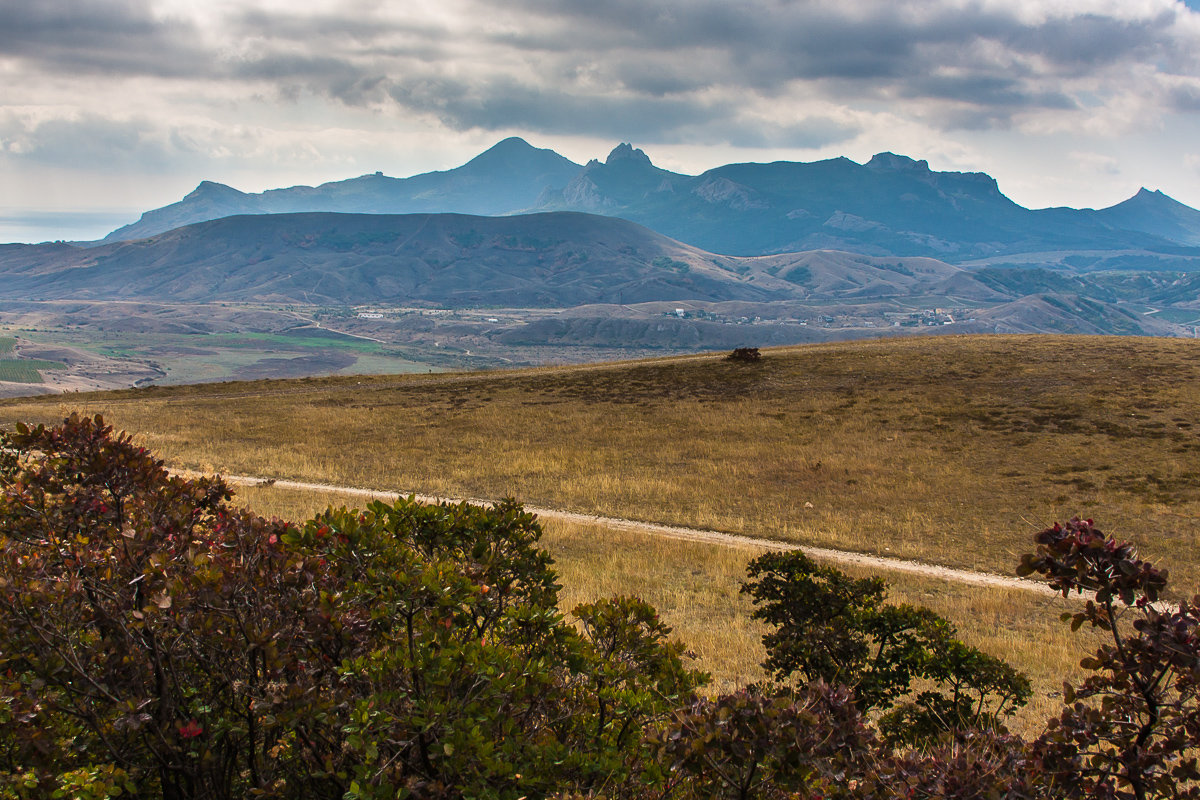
(870, 46)
(295, 74)
(759, 43)
(1087, 41)
(505, 103)
(502, 103)
(658, 70)
(993, 92)
(105, 37)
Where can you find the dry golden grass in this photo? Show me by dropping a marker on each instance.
(695, 588)
(949, 450)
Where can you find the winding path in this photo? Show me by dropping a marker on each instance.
(686, 534)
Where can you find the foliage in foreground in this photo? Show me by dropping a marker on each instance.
(156, 642)
(831, 627)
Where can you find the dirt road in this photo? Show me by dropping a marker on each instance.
(689, 534)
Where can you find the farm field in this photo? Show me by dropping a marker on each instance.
(193, 358)
(21, 370)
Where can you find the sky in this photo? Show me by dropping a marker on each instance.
(112, 107)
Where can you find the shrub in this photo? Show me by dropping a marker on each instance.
(827, 626)
(155, 641)
(752, 744)
(745, 354)
(1132, 727)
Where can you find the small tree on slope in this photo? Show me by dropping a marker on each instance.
(828, 626)
(1132, 728)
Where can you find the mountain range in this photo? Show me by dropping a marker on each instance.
(891, 206)
(523, 254)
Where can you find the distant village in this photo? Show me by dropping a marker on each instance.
(848, 318)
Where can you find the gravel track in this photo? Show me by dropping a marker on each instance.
(685, 534)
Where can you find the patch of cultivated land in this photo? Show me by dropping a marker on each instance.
(949, 450)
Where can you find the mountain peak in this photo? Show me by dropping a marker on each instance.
(211, 190)
(1155, 198)
(1156, 213)
(627, 152)
(513, 144)
(505, 150)
(1146, 194)
(899, 163)
(516, 158)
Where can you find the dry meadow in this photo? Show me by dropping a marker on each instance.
(950, 450)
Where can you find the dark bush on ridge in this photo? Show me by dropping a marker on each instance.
(745, 354)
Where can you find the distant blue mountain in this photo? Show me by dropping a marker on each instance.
(892, 205)
(1157, 214)
(506, 178)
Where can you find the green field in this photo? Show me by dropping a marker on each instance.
(25, 370)
(7, 343)
(197, 358)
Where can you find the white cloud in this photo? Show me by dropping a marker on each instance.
(1096, 162)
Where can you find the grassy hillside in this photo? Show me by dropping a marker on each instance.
(950, 450)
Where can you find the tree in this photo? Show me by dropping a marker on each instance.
(148, 631)
(830, 627)
(1131, 729)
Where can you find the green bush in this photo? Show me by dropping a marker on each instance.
(827, 626)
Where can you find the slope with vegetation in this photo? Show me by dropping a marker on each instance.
(159, 643)
(947, 450)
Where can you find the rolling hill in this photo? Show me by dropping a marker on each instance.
(586, 262)
(559, 259)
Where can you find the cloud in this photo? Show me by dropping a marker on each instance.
(99, 37)
(801, 74)
(1185, 97)
(97, 143)
(87, 142)
(964, 55)
(1096, 162)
